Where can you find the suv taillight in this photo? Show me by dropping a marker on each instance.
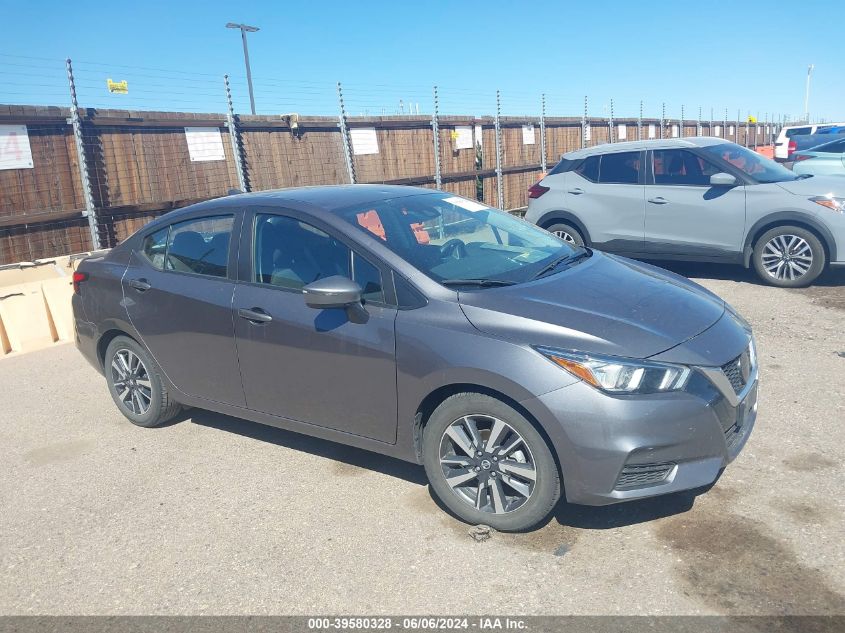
(78, 278)
(791, 148)
(536, 190)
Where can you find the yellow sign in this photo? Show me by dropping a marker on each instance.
(454, 135)
(752, 119)
(118, 87)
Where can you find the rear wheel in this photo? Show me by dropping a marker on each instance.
(567, 233)
(488, 464)
(136, 385)
(789, 257)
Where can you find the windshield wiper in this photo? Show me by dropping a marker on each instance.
(484, 283)
(567, 259)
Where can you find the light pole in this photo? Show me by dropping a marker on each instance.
(807, 94)
(244, 30)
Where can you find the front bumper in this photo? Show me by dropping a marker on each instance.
(620, 448)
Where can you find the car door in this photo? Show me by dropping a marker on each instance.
(178, 291)
(686, 216)
(606, 192)
(306, 364)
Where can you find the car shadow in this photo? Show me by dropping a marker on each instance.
(314, 446)
(831, 277)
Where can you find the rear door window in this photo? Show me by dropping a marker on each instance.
(621, 168)
(200, 246)
(589, 168)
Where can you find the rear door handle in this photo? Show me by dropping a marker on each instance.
(254, 315)
(141, 285)
(577, 191)
(658, 200)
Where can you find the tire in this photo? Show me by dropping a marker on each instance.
(509, 501)
(148, 402)
(789, 257)
(567, 233)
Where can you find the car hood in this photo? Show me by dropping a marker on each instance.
(815, 186)
(606, 304)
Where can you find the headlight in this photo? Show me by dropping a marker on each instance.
(834, 204)
(619, 375)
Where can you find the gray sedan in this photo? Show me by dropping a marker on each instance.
(513, 365)
(696, 199)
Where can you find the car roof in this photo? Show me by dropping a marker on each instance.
(326, 197)
(633, 146)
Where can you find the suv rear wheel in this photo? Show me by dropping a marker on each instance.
(488, 464)
(789, 257)
(567, 233)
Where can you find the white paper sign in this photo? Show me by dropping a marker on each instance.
(528, 135)
(587, 132)
(478, 135)
(622, 132)
(463, 137)
(204, 143)
(674, 131)
(469, 205)
(718, 130)
(364, 140)
(731, 130)
(652, 130)
(15, 152)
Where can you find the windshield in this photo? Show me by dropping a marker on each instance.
(458, 241)
(758, 167)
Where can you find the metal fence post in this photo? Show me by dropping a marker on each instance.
(543, 133)
(747, 128)
(234, 137)
(736, 129)
(725, 125)
(681, 131)
(500, 186)
(344, 133)
(584, 125)
(611, 131)
(662, 119)
(435, 128)
(640, 123)
(698, 128)
(710, 125)
(90, 210)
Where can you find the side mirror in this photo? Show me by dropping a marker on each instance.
(336, 292)
(722, 180)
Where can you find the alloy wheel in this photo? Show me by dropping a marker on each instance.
(787, 257)
(487, 464)
(566, 237)
(131, 381)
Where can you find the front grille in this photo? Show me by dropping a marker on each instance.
(737, 371)
(733, 435)
(638, 475)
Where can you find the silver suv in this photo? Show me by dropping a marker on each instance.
(695, 199)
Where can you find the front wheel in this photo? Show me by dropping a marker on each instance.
(788, 257)
(488, 464)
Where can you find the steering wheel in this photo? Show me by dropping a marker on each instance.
(454, 248)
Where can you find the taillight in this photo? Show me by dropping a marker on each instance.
(791, 148)
(536, 190)
(78, 278)
(799, 157)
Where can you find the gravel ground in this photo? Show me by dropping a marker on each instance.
(212, 515)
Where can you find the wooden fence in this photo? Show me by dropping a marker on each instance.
(140, 164)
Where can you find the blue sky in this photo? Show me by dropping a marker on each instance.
(173, 54)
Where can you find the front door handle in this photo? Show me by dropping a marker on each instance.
(254, 315)
(141, 285)
(658, 200)
(577, 191)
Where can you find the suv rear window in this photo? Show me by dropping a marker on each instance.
(798, 131)
(589, 168)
